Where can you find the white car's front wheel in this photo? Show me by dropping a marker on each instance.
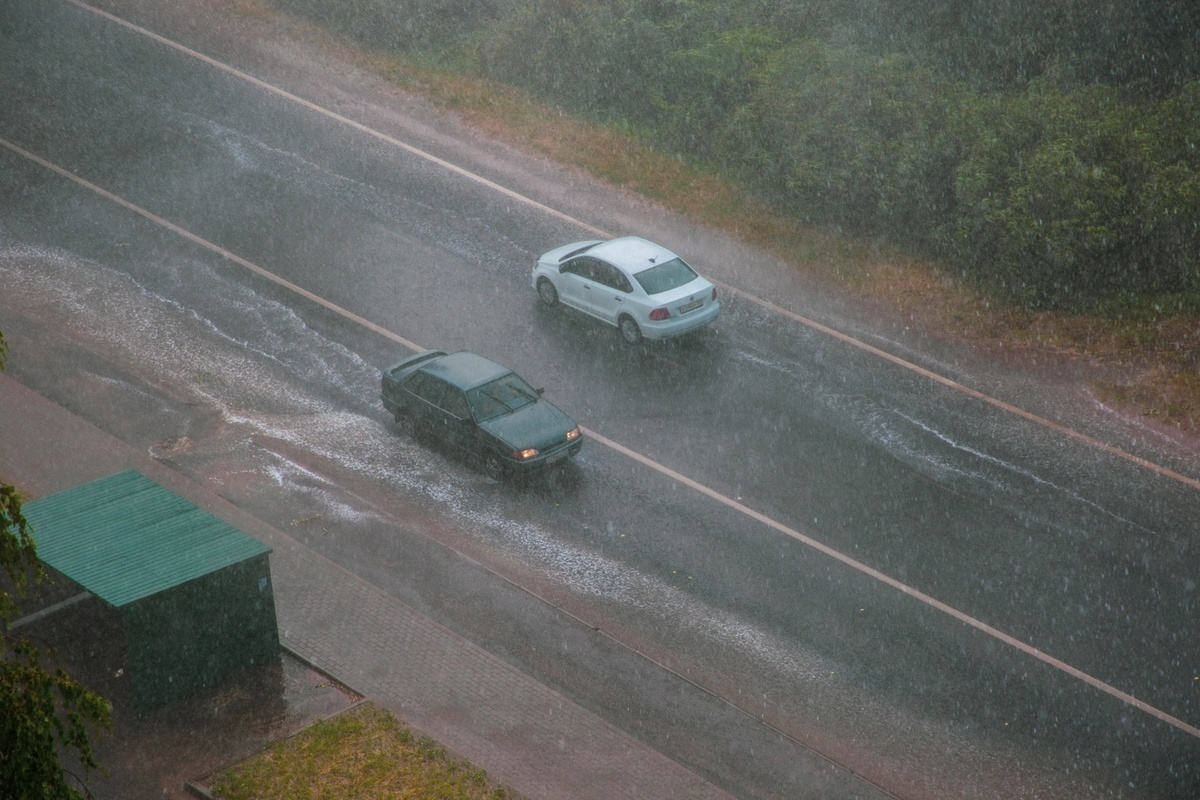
(629, 330)
(547, 292)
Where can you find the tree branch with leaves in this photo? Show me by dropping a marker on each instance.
(41, 709)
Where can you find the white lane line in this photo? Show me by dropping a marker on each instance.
(358, 126)
(619, 448)
(221, 251)
(967, 390)
(901, 587)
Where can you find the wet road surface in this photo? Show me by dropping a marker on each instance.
(272, 399)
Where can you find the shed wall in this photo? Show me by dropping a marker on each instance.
(192, 635)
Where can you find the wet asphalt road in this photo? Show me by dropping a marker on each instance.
(272, 399)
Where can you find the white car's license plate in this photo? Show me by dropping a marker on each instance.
(692, 306)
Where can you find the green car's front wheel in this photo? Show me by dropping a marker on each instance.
(493, 465)
(405, 424)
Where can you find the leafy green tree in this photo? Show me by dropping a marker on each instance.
(704, 85)
(1150, 45)
(1170, 198)
(845, 137)
(1072, 199)
(40, 709)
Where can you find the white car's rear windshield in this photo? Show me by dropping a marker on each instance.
(666, 276)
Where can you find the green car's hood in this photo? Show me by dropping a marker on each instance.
(539, 425)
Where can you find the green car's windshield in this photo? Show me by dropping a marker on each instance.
(501, 396)
(666, 276)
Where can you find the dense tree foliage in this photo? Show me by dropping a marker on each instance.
(1046, 148)
(40, 709)
(1149, 45)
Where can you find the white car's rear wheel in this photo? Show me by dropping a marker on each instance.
(630, 331)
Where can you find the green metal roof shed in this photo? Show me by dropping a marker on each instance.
(193, 591)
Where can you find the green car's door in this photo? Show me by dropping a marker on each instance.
(438, 409)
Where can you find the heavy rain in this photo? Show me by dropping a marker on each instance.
(817, 548)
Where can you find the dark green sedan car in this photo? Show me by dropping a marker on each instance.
(480, 408)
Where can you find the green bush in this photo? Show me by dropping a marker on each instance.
(849, 138)
(1064, 198)
(1169, 218)
(704, 86)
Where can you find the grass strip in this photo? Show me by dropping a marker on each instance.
(364, 753)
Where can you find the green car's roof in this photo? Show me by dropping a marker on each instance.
(465, 369)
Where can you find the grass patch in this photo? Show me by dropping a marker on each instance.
(1160, 393)
(364, 753)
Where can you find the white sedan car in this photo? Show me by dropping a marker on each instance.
(637, 286)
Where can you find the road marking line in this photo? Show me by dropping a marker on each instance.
(638, 457)
(358, 126)
(967, 390)
(766, 304)
(207, 245)
(901, 587)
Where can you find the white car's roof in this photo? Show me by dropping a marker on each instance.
(632, 253)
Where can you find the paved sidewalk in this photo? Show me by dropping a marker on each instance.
(531, 739)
